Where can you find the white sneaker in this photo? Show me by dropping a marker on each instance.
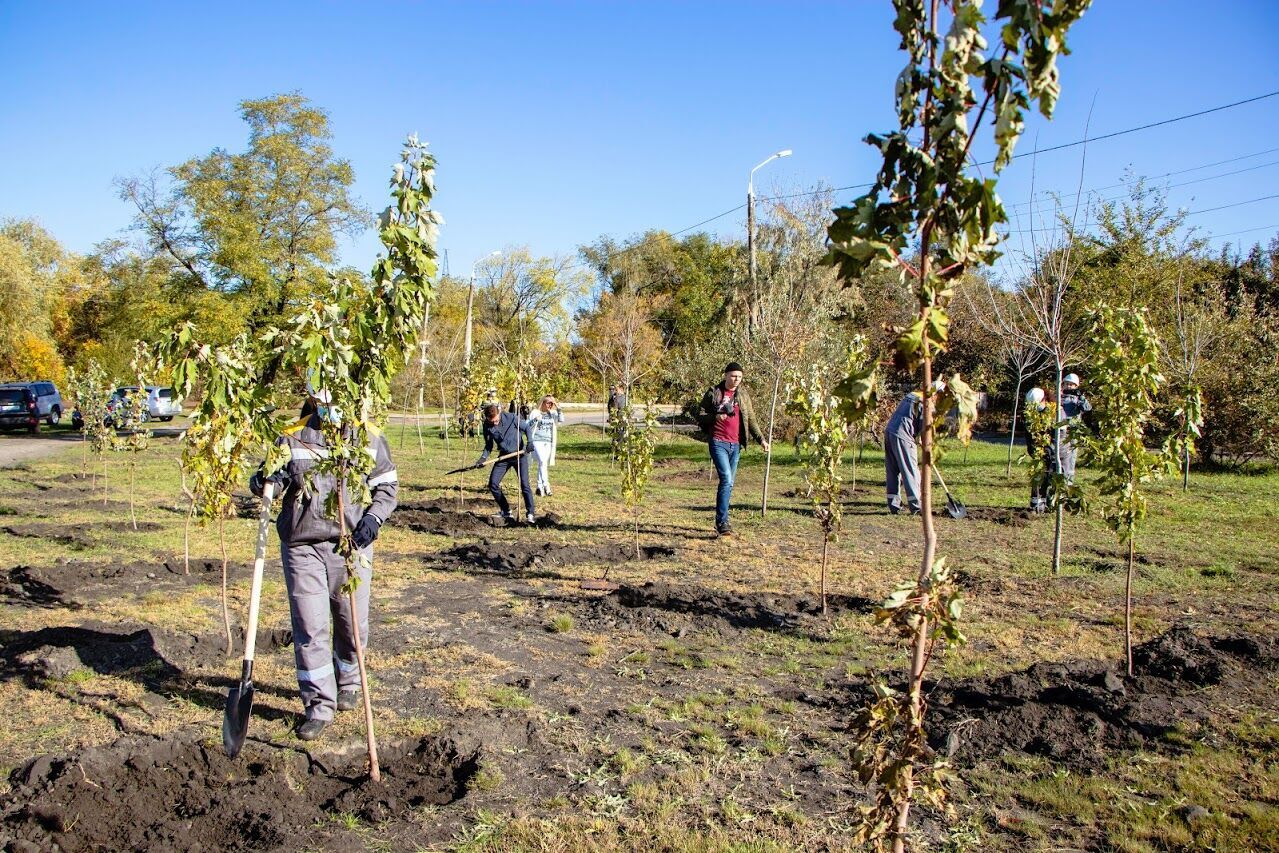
(531, 519)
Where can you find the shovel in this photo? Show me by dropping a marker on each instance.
(485, 464)
(954, 507)
(239, 700)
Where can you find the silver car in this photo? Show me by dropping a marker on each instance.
(162, 403)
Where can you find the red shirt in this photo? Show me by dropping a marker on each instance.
(730, 428)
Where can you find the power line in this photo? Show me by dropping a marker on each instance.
(1116, 133)
(1031, 201)
(1035, 152)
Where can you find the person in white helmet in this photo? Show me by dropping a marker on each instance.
(1073, 405)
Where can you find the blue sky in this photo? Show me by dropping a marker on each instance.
(558, 122)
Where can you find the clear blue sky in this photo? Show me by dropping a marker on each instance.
(558, 122)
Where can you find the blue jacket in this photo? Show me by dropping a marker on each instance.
(907, 421)
(507, 435)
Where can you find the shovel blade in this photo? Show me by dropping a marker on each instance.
(955, 509)
(235, 722)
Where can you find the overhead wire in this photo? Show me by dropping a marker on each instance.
(1032, 153)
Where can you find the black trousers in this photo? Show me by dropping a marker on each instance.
(495, 483)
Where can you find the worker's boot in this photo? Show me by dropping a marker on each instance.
(348, 700)
(312, 729)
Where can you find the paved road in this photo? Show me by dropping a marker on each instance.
(16, 448)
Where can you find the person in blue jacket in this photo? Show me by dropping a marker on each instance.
(507, 432)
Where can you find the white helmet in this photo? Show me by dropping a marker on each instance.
(1035, 396)
(1070, 379)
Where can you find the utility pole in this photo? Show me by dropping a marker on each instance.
(470, 304)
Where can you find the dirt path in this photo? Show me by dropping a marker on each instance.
(16, 450)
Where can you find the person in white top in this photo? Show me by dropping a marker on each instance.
(543, 434)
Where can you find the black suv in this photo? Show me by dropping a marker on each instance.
(18, 408)
(48, 400)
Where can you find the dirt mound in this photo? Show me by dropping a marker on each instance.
(75, 583)
(157, 658)
(142, 794)
(654, 604)
(1001, 515)
(1076, 712)
(72, 537)
(519, 558)
(443, 518)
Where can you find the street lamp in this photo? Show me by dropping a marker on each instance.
(750, 214)
(470, 302)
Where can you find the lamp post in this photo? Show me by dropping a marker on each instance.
(750, 224)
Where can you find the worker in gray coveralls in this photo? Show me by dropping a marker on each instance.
(901, 462)
(314, 571)
(1076, 408)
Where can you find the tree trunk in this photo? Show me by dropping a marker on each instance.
(133, 517)
(444, 421)
(637, 545)
(421, 448)
(226, 609)
(1059, 523)
(768, 454)
(1185, 470)
(919, 654)
(375, 771)
(1012, 430)
(105, 487)
(825, 549)
(84, 456)
(1128, 604)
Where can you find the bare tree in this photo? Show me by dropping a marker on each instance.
(796, 296)
(1040, 313)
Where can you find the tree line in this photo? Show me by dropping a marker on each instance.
(234, 242)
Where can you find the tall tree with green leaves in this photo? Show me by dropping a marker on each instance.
(1124, 359)
(261, 224)
(353, 342)
(928, 218)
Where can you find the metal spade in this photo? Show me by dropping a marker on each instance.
(954, 507)
(239, 700)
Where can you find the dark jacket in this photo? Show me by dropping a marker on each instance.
(507, 435)
(746, 423)
(303, 519)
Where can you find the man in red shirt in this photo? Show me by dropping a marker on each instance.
(728, 419)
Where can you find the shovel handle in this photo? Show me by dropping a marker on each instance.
(259, 560)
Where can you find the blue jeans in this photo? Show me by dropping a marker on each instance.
(725, 455)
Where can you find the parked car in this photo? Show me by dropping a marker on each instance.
(162, 404)
(18, 408)
(47, 399)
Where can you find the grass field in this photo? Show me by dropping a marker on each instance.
(706, 711)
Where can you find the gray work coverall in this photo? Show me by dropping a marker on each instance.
(314, 571)
(901, 461)
(1073, 405)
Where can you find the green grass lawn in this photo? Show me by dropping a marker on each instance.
(1208, 559)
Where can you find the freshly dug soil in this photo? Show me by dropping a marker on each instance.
(443, 518)
(1076, 712)
(1001, 515)
(76, 583)
(144, 794)
(519, 558)
(671, 608)
(158, 659)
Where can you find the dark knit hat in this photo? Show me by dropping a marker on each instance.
(732, 365)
